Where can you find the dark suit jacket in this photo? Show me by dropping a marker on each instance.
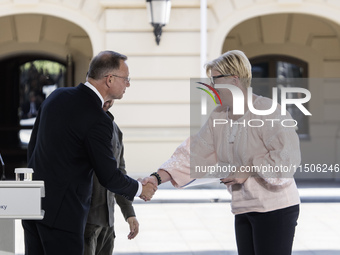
(70, 137)
(102, 203)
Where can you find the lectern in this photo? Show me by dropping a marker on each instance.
(18, 200)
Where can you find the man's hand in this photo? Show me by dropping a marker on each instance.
(134, 227)
(148, 191)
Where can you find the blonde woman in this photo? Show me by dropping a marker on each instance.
(265, 204)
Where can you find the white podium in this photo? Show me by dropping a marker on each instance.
(18, 200)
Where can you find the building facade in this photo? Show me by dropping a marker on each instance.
(155, 112)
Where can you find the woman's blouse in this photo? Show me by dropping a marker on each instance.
(265, 146)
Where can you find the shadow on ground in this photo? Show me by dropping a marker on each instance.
(314, 252)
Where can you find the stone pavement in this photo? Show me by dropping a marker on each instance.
(207, 229)
(199, 222)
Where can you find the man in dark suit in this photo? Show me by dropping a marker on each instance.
(99, 230)
(71, 136)
(30, 108)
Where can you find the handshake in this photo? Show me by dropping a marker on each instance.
(149, 186)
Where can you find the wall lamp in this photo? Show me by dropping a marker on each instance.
(159, 15)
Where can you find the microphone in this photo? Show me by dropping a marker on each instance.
(3, 177)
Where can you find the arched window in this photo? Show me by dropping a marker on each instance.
(282, 71)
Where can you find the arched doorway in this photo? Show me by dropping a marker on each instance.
(310, 46)
(23, 85)
(289, 72)
(55, 53)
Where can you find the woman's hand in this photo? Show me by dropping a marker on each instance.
(236, 178)
(232, 180)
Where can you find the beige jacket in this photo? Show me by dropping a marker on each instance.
(271, 153)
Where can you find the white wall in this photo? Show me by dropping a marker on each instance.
(154, 113)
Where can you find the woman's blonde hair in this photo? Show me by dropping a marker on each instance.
(233, 62)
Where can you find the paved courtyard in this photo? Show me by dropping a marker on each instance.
(199, 222)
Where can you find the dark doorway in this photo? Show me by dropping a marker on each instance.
(284, 71)
(25, 80)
